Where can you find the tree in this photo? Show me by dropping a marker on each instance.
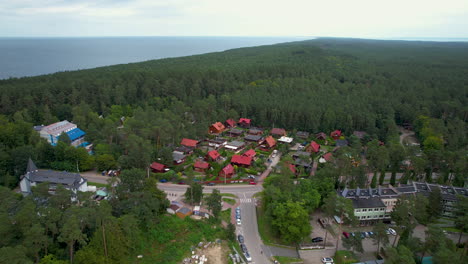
(342, 207)
(231, 232)
(214, 203)
(194, 193)
(71, 234)
(14, 255)
(353, 243)
(105, 162)
(400, 255)
(292, 221)
(380, 235)
(435, 204)
(35, 240)
(64, 138)
(461, 220)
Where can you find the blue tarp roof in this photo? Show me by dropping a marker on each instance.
(75, 134)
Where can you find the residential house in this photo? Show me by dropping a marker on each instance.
(341, 143)
(178, 157)
(299, 154)
(235, 145)
(244, 122)
(213, 155)
(360, 134)
(313, 147)
(321, 136)
(184, 149)
(226, 172)
(241, 161)
(255, 131)
(158, 167)
(250, 153)
(327, 157)
(189, 143)
(292, 168)
(335, 134)
(302, 134)
(230, 123)
(183, 212)
(235, 132)
(216, 128)
(53, 131)
(253, 138)
(33, 176)
(173, 208)
(268, 144)
(278, 132)
(302, 159)
(286, 140)
(201, 166)
(216, 142)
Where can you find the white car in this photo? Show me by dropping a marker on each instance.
(248, 257)
(391, 231)
(238, 221)
(327, 260)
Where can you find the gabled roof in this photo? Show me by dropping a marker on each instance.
(302, 134)
(278, 131)
(201, 165)
(336, 133)
(292, 168)
(231, 123)
(189, 142)
(253, 137)
(31, 166)
(157, 166)
(341, 142)
(213, 154)
(315, 146)
(244, 120)
(250, 153)
(242, 160)
(321, 135)
(236, 131)
(218, 126)
(270, 141)
(229, 169)
(328, 156)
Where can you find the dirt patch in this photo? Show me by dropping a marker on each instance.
(214, 253)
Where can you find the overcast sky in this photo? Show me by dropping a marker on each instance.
(337, 18)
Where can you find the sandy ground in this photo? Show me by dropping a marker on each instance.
(216, 254)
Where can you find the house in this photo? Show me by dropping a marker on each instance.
(299, 154)
(304, 162)
(250, 153)
(313, 147)
(360, 134)
(216, 142)
(183, 212)
(302, 134)
(201, 166)
(226, 172)
(213, 155)
(230, 123)
(278, 132)
(158, 167)
(184, 149)
(268, 143)
(292, 168)
(255, 131)
(241, 161)
(335, 134)
(178, 157)
(286, 140)
(216, 128)
(235, 132)
(321, 136)
(189, 143)
(173, 208)
(235, 145)
(341, 143)
(253, 138)
(53, 131)
(71, 181)
(327, 157)
(244, 122)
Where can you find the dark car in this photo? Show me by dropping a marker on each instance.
(181, 182)
(240, 238)
(363, 234)
(211, 184)
(163, 180)
(346, 234)
(317, 239)
(243, 247)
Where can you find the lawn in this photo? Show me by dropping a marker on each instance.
(226, 215)
(97, 184)
(229, 201)
(287, 260)
(345, 257)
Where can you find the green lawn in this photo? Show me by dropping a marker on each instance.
(285, 260)
(226, 215)
(229, 201)
(98, 184)
(229, 195)
(345, 257)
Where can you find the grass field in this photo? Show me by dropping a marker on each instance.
(98, 184)
(229, 201)
(286, 260)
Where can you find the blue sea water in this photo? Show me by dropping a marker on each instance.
(21, 57)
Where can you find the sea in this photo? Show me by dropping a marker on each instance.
(21, 57)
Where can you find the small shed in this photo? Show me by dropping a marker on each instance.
(172, 209)
(183, 212)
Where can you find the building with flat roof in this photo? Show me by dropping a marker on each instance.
(53, 131)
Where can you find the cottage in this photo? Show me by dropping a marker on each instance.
(286, 140)
(292, 168)
(321, 136)
(341, 143)
(250, 153)
(226, 172)
(335, 134)
(255, 131)
(189, 143)
(244, 122)
(216, 128)
(230, 123)
(178, 157)
(158, 167)
(327, 157)
(234, 132)
(184, 149)
(235, 145)
(201, 166)
(268, 143)
(216, 142)
(173, 208)
(241, 161)
(183, 212)
(302, 134)
(313, 147)
(71, 181)
(213, 155)
(299, 154)
(253, 138)
(278, 132)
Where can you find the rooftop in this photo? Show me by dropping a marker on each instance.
(371, 202)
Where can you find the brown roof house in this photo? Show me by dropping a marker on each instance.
(216, 128)
(268, 143)
(226, 172)
(183, 212)
(189, 143)
(278, 132)
(201, 166)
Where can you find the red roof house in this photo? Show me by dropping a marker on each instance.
(270, 142)
(313, 147)
(250, 153)
(213, 155)
(230, 123)
(280, 132)
(243, 161)
(335, 134)
(201, 166)
(217, 128)
(328, 156)
(244, 122)
(189, 142)
(321, 136)
(158, 167)
(292, 168)
(226, 172)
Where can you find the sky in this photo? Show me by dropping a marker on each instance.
(335, 18)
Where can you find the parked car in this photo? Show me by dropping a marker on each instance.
(317, 239)
(237, 209)
(211, 184)
(248, 257)
(238, 222)
(252, 183)
(352, 233)
(363, 234)
(243, 247)
(163, 180)
(392, 231)
(346, 234)
(327, 260)
(240, 238)
(371, 234)
(238, 216)
(181, 182)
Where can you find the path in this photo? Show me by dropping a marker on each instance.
(407, 133)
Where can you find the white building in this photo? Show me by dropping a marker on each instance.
(52, 133)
